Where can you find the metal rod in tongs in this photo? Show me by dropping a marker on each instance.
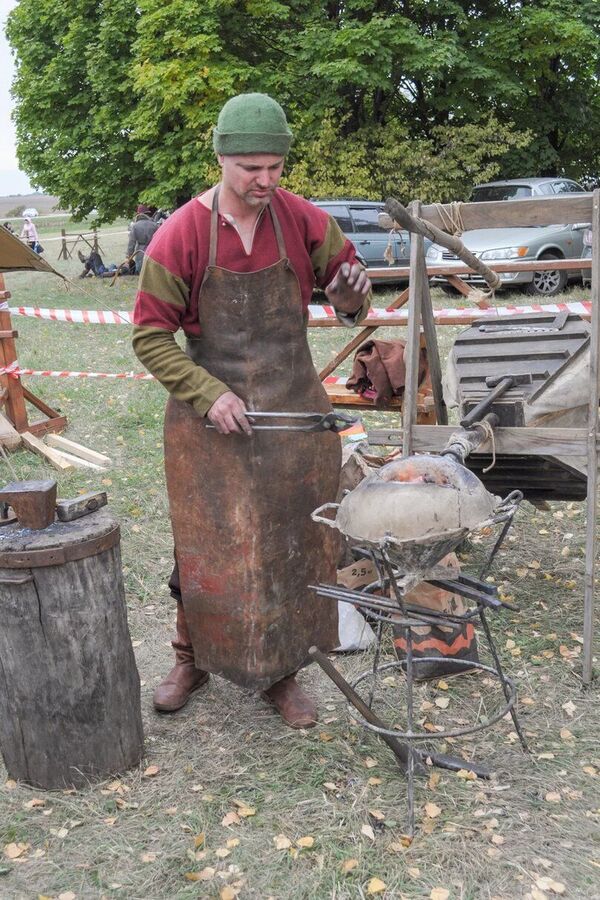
(305, 421)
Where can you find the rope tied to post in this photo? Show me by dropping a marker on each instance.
(451, 217)
(489, 435)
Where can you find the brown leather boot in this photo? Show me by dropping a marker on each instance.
(294, 706)
(184, 678)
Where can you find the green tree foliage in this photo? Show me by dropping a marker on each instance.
(117, 100)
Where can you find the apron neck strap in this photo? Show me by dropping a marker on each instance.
(214, 228)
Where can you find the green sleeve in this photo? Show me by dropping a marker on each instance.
(160, 353)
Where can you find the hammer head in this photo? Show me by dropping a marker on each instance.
(33, 502)
(493, 380)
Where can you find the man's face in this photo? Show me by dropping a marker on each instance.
(252, 177)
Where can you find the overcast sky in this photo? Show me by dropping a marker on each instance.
(12, 181)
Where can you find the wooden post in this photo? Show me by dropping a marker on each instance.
(415, 290)
(63, 246)
(69, 687)
(592, 455)
(14, 394)
(95, 239)
(433, 353)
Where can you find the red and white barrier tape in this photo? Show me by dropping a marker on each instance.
(315, 313)
(15, 371)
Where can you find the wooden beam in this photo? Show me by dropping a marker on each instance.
(54, 457)
(592, 452)
(510, 440)
(413, 335)
(62, 443)
(569, 209)
(458, 268)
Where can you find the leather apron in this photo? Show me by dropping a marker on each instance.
(240, 506)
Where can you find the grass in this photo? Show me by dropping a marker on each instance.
(134, 837)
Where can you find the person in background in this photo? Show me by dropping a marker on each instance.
(235, 268)
(8, 227)
(30, 235)
(141, 232)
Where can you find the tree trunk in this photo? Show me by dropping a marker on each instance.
(69, 686)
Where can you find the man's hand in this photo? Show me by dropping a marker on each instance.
(228, 415)
(347, 291)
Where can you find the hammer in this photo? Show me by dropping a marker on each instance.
(500, 384)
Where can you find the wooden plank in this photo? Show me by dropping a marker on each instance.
(9, 436)
(510, 440)
(413, 336)
(80, 463)
(339, 395)
(568, 209)
(458, 268)
(63, 443)
(54, 457)
(592, 452)
(433, 355)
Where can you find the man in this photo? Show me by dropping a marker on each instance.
(141, 232)
(235, 268)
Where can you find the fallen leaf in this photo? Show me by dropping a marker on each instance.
(367, 830)
(305, 842)
(413, 871)
(10, 784)
(59, 832)
(442, 685)
(377, 814)
(204, 875)
(110, 820)
(497, 839)
(373, 780)
(566, 735)
(552, 797)
(148, 857)
(536, 894)
(546, 755)
(233, 842)
(434, 780)
(330, 786)
(325, 736)
(222, 852)
(14, 851)
(590, 770)
(199, 840)
(151, 771)
(32, 804)
(246, 811)
(231, 818)
(281, 842)
(376, 886)
(545, 883)
(467, 774)
(442, 702)
(569, 708)
(432, 810)
(67, 895)
(369, 762)
(349, 865)
(439, 893)
(228, 893)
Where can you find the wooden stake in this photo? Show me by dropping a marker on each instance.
(54, 457)
(415, 288)
(592, 455)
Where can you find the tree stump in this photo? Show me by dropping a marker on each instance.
(69, 686)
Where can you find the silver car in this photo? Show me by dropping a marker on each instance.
(528, 243)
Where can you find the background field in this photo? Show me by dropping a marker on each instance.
(137, 836)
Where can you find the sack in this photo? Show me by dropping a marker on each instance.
(444, 642)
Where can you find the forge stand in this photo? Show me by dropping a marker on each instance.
(384, 601)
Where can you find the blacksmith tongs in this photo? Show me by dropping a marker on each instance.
(306, 421)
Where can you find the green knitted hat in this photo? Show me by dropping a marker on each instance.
(252, 123)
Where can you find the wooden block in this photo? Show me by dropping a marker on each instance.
(9, 436)
(62, 443)
(77, 461)
(54, 457)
